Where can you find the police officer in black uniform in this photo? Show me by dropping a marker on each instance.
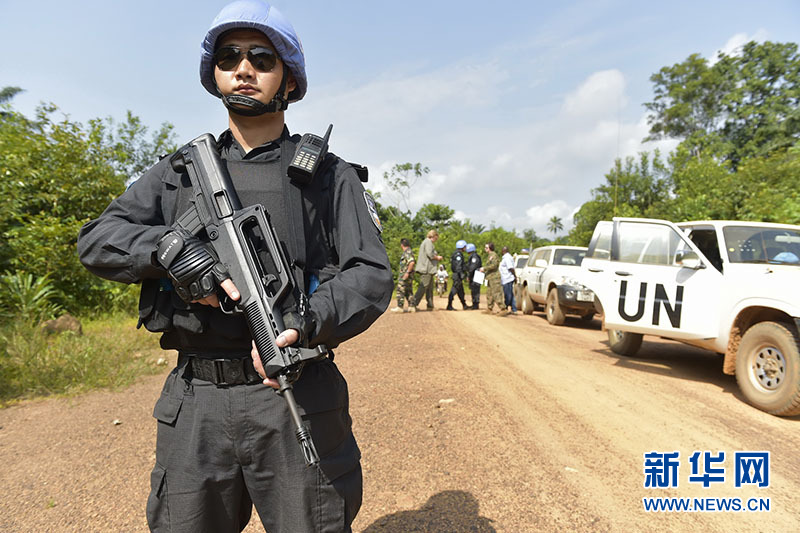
(225, 440)
(459, 268)
(474, 263)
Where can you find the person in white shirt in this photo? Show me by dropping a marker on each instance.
(441, 280)
(507, 278)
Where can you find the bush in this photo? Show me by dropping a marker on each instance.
(26, 298)
(57, 175)
(111, 353)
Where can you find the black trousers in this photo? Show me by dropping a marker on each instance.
(476, 294)
(457, 290)
(220, 450)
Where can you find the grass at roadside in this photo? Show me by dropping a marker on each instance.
(111, 353)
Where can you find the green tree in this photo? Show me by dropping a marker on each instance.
(7, 93)
(633, 188)
(530, 235)
(554, 225)
(738, 123)
(701, 187)
(741, 106)
(688, 99)
(472, 227)
(773, 187)
(762, 107)
(397, 226)
(130, 152)
(57, 175)
(502, 237)
(433, 216)
(401, 180)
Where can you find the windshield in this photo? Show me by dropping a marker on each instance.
(569, 257)
(747, 244)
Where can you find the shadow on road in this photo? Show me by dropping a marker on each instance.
(681, 361)
(445, 512)
(678, 360)
(572, 321)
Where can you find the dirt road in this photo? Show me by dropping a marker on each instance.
(467, 422)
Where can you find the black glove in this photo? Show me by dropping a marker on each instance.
(192, 265)
(304, 324)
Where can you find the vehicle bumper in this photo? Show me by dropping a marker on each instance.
(580, 301)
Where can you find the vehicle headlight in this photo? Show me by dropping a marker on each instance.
(571, 282)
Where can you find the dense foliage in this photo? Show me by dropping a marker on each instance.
(55, 175)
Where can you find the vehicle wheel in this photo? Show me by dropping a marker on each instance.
(588, 316)
(624, 342)
(553, 309)
(768, 368)
(526, 304)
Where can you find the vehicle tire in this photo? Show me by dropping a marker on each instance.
(624, 342)
(768, 368)
(553, 309)
(525, 303)
(587, 317)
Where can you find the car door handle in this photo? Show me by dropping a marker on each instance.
(595, 269)
(622, 273)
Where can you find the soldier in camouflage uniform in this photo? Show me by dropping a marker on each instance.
(405, 279)
(495, 288)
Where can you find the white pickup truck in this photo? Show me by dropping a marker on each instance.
(548, 280)
(729, 287)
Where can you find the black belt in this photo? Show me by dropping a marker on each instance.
(222, 371)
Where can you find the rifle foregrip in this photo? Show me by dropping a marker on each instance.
(260, 330)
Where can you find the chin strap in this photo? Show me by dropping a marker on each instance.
(251, 106)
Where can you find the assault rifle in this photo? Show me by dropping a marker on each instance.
(246, 243)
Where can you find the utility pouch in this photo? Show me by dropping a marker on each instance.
(155, 306)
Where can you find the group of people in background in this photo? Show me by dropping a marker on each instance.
(465, 265)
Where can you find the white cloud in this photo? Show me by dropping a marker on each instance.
(540, 215)
(513, 172)
(733, 46)
(602, 92)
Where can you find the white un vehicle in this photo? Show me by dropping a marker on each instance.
(548, 280)
(729, 287)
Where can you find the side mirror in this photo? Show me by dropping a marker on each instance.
(541, 263)
(689, 259)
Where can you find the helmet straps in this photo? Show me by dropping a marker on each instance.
(254, 108)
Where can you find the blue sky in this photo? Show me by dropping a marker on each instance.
(518, 108)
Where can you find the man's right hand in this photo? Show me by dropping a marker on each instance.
(212, 299)
(192, 266)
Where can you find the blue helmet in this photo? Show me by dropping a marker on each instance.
(470, 247)
(255, 15)
(461, 244)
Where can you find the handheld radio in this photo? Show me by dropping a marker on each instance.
(310, 152)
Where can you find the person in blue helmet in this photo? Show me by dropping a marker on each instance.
(458, 265)
(226, 440)
(474, 264)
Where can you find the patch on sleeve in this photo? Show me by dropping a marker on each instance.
(372, 207)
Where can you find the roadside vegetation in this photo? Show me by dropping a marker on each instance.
(736, 117)
(108, 351)
(55, 175)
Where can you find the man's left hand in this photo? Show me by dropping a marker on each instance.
(287, 338)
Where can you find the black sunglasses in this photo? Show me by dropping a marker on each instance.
(227, 58)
